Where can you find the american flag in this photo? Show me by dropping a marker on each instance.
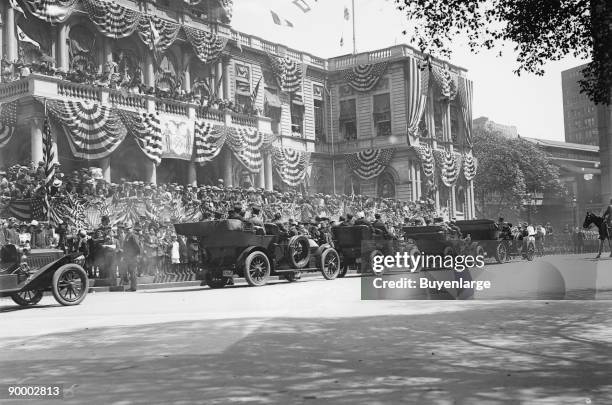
(48, 154)
(8, 121)
(28, 209)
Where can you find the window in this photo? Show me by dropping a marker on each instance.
(272, 107)
(319, 120)
(297, 115)
(382, 114)
(242, 94)
(348, 119)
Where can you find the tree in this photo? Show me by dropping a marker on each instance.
(508, 171)
(541, 31)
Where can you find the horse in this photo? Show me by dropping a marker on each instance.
(591, 219)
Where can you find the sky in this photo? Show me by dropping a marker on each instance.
(532, 103)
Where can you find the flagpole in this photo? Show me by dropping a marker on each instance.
(354, 40)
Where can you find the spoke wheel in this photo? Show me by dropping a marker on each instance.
(70, 284)
(530, 255)
(330, 264)
(501, 253)
(28, 297)
(257, 269)
(299, 252)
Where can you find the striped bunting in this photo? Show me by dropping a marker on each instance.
(418, 86)
(161, 33)
(470, 166)
(53, 11)
(8, 122)
(466, 96)
(447, 82)
(369, 163)
(207, 46)
(365, 77)
(146, 130)
(112, 19)
(291, 165)
(428, 163)
(21, 209)
(288, 73)
(93, 131)
(209, 139)
(246, 143)
(449, 165)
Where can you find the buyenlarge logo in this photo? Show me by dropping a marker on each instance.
(413, 263)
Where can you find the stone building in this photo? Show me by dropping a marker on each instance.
(130, 87)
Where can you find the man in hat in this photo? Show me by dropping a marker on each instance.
(105, 238)
(256, 218)
(131, 253)
(12, 235)
(236, 213)
(361, 220)
(380, 225)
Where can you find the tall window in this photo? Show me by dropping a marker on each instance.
(348, 119)
(272, 107)
(382, 114)
(319, 115)
(297, 115)
(242, 95)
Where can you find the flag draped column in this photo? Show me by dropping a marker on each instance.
(36, 140)
(11, 36)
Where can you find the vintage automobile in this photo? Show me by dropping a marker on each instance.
(437, 240)
(359, 244)
(497, 243)
(26, 274)
(231, 248)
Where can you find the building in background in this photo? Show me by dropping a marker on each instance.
(509, 131)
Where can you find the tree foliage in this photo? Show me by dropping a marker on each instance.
(540, 31)
(509, 170)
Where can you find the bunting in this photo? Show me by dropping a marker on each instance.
(112, 19)
(418, 86)
(8, 122)
(291, 165)
(247, 143)
(470, 166)
(466, 96)
(209, 139)
(207, 46)
(288, 73)
(93, 131)
(156, 33)
(449, 165)
(447, 82)
(53, 11)
(146, 130)
(369, 163)
(365, 77)
(425, 155)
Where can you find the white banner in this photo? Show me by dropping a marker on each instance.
(177, 137)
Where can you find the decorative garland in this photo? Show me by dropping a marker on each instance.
(207, 46)
(447, 81)
(112, 19)
(52, 11)
(426, 157)
(288, 73)
(369, 163)
(146, 130)
(291, 165)
(156, 33)
(470, 166)
(209, 139)
(365, 77)
(450, 166)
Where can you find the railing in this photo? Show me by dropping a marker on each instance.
(379, 54)
(172, 107)
(268, 46)
(77, 90)
(132, 101)
(241, 119)
(16, 88)
(293, 54)
(210, 114)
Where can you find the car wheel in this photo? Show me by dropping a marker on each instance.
(27, 298)
(70, 284)
(256, 269)
(330, 264)
(501, 253)
(530, 255)
(299, 252)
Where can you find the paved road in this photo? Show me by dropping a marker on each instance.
(312, 342)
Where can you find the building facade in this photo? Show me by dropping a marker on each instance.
(509, 131)
(142, 90)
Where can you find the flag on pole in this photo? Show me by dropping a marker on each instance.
(48, 154)
(255, 92)
(23, 37)
(280, 21)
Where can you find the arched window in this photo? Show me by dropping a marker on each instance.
(82, 48)
(386, 186)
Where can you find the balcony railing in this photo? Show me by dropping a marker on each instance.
(241, 119)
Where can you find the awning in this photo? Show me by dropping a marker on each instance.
(272, 100)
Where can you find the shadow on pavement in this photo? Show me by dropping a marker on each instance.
(494, 354)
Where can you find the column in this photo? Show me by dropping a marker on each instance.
(268, 172)
(150, 172)
(63, 59)
(218, 73)
(226, 78)
(36, 140)
(261, 176)
(413, 188)
(106, 169)
(187, 73)
(192, 175)
(227, 168)
(11, 35)
(149, 71)
(419, 192)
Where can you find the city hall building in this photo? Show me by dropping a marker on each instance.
(141, 90)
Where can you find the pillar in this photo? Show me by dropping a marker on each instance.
(218, 73)
(187, 72)
(227, 168)
(11, 34)
(413, 180)
(227, 74)
(261, 176)
(268, 172)
(105, 165)
(150, 172)
(63, 58)
(192, 175)
(149, 72)
(419, 192)
(36, 140)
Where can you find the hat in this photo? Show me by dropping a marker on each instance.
(57, 183)
(34, 223)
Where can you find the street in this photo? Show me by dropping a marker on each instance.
(310, 342)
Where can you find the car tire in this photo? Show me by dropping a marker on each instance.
(298, 252)
(256, 269)
(330, 264)
(27, 298)
(70, 284)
